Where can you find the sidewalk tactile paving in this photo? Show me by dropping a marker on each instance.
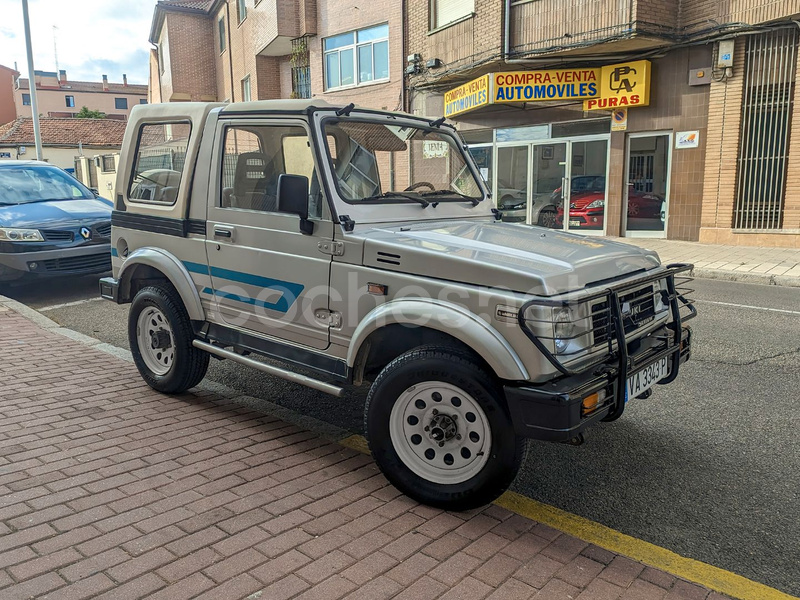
(111, 490)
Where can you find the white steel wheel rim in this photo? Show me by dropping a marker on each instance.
(153, 333)
(446, 456)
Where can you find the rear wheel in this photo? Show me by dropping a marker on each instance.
(439, 430)
(160, 334)
(547, 218)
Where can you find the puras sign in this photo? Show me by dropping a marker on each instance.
(622, 86)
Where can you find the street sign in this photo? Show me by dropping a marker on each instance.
(619, 119)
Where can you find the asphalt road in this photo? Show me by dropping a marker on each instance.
(707, 467)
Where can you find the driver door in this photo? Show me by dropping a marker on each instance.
(268, 278)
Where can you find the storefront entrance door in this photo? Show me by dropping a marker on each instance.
(647, 195)
(569, 174)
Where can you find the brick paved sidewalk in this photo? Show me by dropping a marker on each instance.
(768, 266)
(111, 490)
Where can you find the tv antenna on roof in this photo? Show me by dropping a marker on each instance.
(55, 46)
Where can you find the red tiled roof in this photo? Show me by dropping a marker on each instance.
(204, 5)
(90, 86)
(64, 132)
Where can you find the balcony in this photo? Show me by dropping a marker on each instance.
(588, 27)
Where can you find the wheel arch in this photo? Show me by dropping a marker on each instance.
(147, 264)
(439, 320)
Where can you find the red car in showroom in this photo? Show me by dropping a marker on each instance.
(588, 204)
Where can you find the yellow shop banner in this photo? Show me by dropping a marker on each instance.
(537, 86)
(469, 96)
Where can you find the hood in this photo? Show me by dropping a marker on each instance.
(584, 199)
(510, 256)
(55, 213)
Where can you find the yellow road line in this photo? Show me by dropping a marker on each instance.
(709, 576)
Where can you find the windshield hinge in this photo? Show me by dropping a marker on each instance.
(332, 248)
(347, 222)
(328, 317)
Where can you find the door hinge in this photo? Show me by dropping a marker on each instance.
(332, 248)
(328, 317)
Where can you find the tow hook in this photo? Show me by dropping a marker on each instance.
(578, 440)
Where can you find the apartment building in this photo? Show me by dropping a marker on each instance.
(669, 119)
(240, 50)
(59, 97)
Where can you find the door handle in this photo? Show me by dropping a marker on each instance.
(225, 232)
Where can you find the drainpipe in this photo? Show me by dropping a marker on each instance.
(230, 50)
(507, 31)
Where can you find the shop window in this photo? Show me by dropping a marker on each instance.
(443, 12)
(356, 57)
(588, 127)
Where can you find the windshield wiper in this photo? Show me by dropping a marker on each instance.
(474, 201)
(388, 195)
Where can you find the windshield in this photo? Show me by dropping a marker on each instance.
(375, 163)
(33, 183)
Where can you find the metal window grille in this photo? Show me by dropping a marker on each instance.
(641, 172)
(301, 69)
(108, 163)
(770, 62)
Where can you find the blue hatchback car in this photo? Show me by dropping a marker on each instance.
(50, 223)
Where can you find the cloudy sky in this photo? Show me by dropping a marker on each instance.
(95, 37)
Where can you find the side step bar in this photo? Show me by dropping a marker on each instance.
(328, 388)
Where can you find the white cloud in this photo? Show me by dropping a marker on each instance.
(94, 37)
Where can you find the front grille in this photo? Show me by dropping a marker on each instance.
(103, 229)
(90, 263)
(637, 309)
(58, 236)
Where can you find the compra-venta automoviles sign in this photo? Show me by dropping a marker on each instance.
(605, 88)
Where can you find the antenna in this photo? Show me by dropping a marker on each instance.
(55, 46)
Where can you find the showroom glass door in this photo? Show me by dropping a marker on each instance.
(512, 182)
(587, 189)
(647, 195)
(549, 185)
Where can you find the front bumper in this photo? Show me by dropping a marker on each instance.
(554, 411)
(109, 289)
(78, 260)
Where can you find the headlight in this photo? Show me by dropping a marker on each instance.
(20, 235)
(600, 203)
(659, 294)
(563, 328)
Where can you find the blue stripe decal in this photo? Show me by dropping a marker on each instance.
(114, 252)
(291, 291)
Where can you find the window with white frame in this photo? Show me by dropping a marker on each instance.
(357, 57)
(246, 89)
(446, 11)
(241, 5)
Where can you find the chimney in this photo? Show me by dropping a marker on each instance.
(124, 80)
(105, 83)
(62, 77)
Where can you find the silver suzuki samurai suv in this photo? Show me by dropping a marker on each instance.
(352, 245)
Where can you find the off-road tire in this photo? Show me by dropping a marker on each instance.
(460, 368)
(190, 364)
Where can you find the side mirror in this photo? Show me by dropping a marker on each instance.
(293, 198)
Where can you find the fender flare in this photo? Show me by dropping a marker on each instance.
(452, 319)
(173, 269)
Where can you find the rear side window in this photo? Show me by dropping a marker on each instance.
(159, 162)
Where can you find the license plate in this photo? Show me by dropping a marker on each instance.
(646, 378)
(574, 223)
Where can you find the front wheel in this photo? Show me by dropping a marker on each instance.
(160, 334)
(439, 430)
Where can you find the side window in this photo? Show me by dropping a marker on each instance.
(159, 162)
(253, 160)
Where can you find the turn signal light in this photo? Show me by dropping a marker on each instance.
(590, 402)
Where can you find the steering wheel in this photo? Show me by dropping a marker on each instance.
(420, 184)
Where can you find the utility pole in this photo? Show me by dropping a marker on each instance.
(37, 134)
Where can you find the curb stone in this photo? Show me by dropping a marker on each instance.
(745, 277)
